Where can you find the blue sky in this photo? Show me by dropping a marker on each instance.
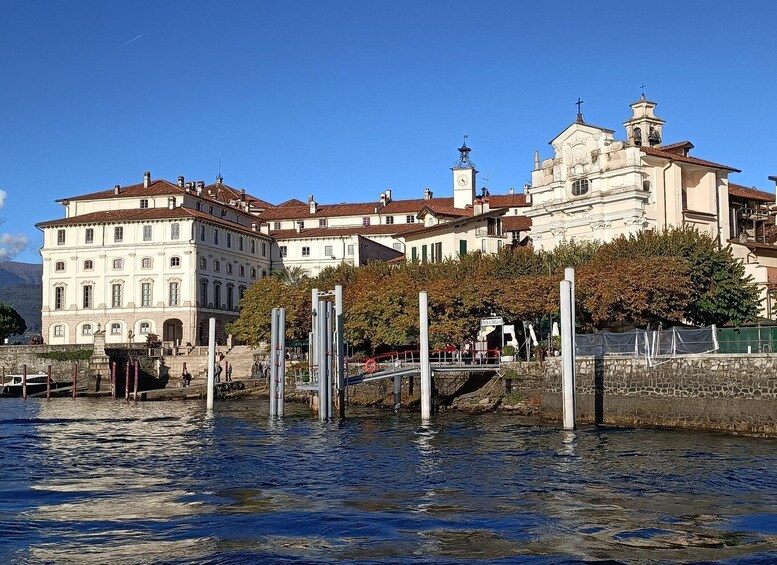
(343, 99)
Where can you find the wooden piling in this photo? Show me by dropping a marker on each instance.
(113, 380)
(126, 382)
(24, 382)
(75, 378)
(48, 383)
(135, 388)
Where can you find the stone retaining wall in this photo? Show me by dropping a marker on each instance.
(720, 392)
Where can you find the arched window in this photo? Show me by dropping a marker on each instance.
(175, 261)
(579, 187)
(203, 263)
(253, 273)
(118, 264)
(88, 265)
(229, 268)
(216, 267)
(242, 271)
(146, 263)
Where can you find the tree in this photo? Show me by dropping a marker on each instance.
(11, 323)
(291, 276)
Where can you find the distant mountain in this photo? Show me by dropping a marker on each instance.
(25, 299)
(13, 273)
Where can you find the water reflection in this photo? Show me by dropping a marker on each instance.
(106, 481)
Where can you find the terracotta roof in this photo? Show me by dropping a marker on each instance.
(516, 223)
(230, 193)
(692, 160)
(507, 200)
(445, 210)
(747, 193)
(292, 202)
(677, 148)
(383, 229)
(155, 188)
(423, 230)
(144, 215)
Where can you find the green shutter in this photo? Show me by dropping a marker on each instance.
(423, 254)
(462, 247)
(414, 253)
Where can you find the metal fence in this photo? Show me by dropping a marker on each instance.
(756, 339)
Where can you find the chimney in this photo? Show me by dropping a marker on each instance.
(526, 187)
(312, 204)
(146, 179)
(427, 194)
(382, 199)
(477, 206)
(117, 189)
(180, 181)
(388, 195)
(511, 190)
(200, 186)
(242, 195)
(219, 180)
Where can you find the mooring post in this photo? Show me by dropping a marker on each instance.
(113, 380)
(137, 374)
(321, 356)
(126, 381)
(211, 363)
(313, 337)
(426, 369)
(281, 386)
(340, 350)
(273, 362)
(567, 355)
(397, 391)
(569, 274)
(24, 382)
(48, 383)
(75, 378)
(330, 318)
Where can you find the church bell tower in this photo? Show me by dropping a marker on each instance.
(464, 175)
(644, 128)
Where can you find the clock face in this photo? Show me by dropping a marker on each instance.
(462, 180)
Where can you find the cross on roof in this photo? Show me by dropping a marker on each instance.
(578, 104)
(642, 86)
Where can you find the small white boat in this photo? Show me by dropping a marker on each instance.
(36, 382)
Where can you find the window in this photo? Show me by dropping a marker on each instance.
(579, 187)
(306, 251)
(229, 240)
(145, 294)
(86, 329)
(242, 271)
(210, 210)
(283, 250)
(410, 219)
(116, 295)
(240, 243)
(202, 233)
(483, 245)
(328, 251)
(216, 267)
(276, 225)
(88, 296)
(60, 237)
(88, 265)
(145, 327)
(230, 298)
(350, 249)
(59, 297)
(59, 266)
(397, 246)
(241, 292)
(118, 264)
(366, 221)
(59, 330)
(89, 235)
(389, 220)
(175, 261)
(229, 268)
(144, 203)
(216, 295)
(253, 273)
(322, 223)
(301, 224)
(199, 206)
(264, 273)
(118, 234)
(146, 233)
(146, 263)
(414, 254)
(437, 251)
(115, 328)
(215, 236)
(264, 249)
(203, 263)
(253, 247)
(173, 299)
(175, 231)
(462, 247)
(424, 253)
(204, 293)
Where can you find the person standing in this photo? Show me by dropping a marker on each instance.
(229, 372)
(217, 372)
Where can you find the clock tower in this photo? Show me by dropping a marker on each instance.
(463, 178)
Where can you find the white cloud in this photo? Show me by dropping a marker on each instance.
(3, 194)
(11, 245)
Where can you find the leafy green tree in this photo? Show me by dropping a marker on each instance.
(11, 323)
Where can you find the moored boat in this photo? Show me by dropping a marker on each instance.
(36, 383)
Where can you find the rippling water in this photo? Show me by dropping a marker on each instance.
(109, 482)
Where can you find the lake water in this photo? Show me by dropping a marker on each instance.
(101, 481)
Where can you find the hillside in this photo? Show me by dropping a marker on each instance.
(25, 299)
(13, 273)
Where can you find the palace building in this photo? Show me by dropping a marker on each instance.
(161, 258)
